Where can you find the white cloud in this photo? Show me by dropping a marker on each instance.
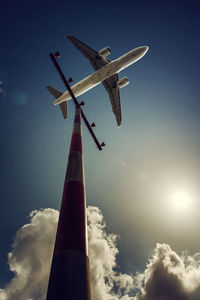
(170, 276)
(167, 275)
(106, 282)
(32, 250)
(30, 257)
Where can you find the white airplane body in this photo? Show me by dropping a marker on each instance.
(106, 72)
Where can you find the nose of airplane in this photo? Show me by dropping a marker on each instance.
(142, 51)
(145, 49)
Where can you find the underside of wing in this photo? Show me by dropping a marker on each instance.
(114, 94)
(93, 56)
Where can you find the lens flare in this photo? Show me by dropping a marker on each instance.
(181, 200)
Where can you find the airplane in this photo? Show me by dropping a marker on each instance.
(106, 72)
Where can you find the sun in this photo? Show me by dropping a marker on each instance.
(181, 200)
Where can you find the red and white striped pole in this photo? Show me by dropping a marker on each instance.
(70, 273)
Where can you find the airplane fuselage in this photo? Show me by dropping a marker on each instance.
(103, 73)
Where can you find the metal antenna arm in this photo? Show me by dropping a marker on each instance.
(52, 56)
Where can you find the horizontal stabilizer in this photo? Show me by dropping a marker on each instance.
(54, 92)
(57, 94)
(63, 107)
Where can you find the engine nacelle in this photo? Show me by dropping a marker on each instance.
(105, 52)
(122, 82)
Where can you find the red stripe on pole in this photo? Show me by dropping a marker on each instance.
(76, 143)
(77, 119)
(71, 232)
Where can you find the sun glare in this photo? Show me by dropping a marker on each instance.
(181, 200)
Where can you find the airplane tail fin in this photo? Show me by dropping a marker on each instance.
(57, 94)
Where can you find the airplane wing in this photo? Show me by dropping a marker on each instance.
(110, 83)
(114, 94)
(95, 59)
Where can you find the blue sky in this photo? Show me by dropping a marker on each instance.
(153, 156)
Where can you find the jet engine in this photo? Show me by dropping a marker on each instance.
(105, 52)
(122, 82)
